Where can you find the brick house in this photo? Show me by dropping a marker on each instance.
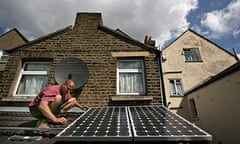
(114, 61)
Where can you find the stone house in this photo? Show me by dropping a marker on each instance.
(8, 41)
(121, 70)
(188, 61)
(213, 105)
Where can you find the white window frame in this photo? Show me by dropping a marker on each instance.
(35, 73)
(142, 71)
(3, 56)
(176, 82)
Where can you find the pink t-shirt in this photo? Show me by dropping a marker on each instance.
(48, 94)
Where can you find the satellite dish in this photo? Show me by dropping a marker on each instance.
(72, 69)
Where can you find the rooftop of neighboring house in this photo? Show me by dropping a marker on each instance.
(12, 39)
(197, 34)
(8, 41)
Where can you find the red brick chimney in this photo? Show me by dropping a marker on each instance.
(148, 41)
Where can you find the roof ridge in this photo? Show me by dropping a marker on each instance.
(41, 38)
(189, 29)
(128, 38)
(18, 32)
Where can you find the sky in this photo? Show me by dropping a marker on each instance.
(163, 20)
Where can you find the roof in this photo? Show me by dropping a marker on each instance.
(123, 36)
(234, 68)
(43, 38)
(14, 36)
(190, 30)
(116, 33)
(17, 121)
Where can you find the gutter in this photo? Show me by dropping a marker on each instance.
(160, 72)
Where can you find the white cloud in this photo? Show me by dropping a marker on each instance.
(224, 21)
(160, 19)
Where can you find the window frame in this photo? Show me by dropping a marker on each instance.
(142, 71)
(194, 54)
(3, 56)
(177, 94)
(193, 108)
(29, 73)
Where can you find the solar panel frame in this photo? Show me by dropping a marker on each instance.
(160, 124)
(97, 119)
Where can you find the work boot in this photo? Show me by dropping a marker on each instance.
(42, 123)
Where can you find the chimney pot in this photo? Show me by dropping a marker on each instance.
(148, 41)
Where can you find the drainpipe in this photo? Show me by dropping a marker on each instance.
(160, 72)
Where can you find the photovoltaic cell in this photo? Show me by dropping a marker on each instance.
(156, 123)
(133, 123)
(99, 124)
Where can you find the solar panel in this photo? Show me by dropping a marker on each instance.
(99, 124)
(133, 123)
(156, 123)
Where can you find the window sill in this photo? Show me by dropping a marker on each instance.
(200, 61)
(17, 99)
(177, 96)
(131, 98)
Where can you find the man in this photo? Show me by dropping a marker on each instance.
(52, 100)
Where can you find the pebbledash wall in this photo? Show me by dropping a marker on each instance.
(100, 48)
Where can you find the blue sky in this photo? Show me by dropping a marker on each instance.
(227, 39)
(216, 20)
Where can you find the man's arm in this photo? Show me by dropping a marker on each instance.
(46, 111)
(81, 106)
(71, 103)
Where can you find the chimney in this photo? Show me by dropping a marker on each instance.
(148, 41)
(87, 21)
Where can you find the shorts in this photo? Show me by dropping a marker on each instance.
(37, 113)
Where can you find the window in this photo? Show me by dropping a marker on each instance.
(192, 55)
(176, 87)
(3, 56)
(33, 77)
(193, 108)
(130, 77)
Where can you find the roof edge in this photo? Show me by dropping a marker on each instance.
(202, 38)
(41, 38)
(128, 39)
(18, 32)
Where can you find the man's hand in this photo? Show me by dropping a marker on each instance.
(61, 120)
(84, 107)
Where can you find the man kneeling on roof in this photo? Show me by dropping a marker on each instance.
(53, 100)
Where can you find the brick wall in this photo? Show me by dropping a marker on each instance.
(94, 46)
